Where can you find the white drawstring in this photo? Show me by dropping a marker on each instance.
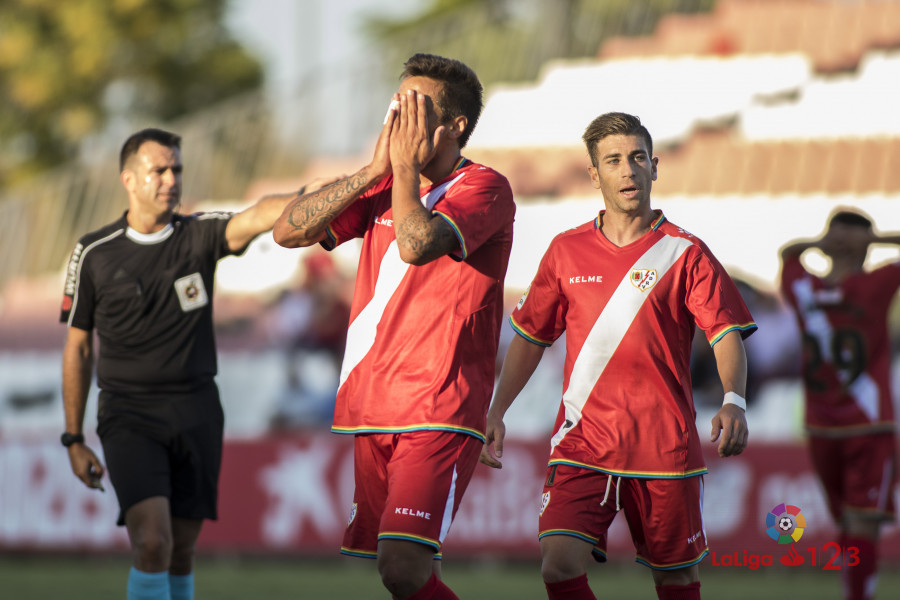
(608, 485)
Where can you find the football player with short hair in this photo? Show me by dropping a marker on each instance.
(418, 370)
(843, 318)
(628, 289)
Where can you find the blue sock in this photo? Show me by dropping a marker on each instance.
(148, 586)
(182, 586)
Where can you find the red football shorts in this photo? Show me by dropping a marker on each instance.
(858, 473)
(408, 487)
(665, 516)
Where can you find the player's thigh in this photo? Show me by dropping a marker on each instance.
(371, 454)
(828, 462)
(870, 476)
(665, 518)
(197, 426)
(149, 525)
(578, 503)
(137, 463)
(427, 476)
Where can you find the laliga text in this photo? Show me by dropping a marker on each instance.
(830, 556)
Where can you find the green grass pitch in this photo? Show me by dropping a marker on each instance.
(219, 578)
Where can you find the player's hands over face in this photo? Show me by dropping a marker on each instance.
(730, 424)
(492, 451)
(413, 144)
(86, 466)
(381, 162)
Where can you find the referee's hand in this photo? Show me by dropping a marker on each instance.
(730, 424)
(86, 466)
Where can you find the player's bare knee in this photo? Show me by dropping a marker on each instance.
(182, 560)
(402, 574)
(153, 549)
(553, 569)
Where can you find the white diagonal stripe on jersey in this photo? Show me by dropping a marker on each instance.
(362, 331)
(431, 198)
(610, 327)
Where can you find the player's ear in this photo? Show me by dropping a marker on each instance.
(653, 163)
(127, 177)
(595, 177)
(456, 126)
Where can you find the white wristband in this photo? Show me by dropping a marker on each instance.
(732, 398)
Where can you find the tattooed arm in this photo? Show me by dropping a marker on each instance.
(421, 236)
(304, 219)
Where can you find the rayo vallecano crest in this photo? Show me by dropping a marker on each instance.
(545, 500)
(643, 279)
(352, 514)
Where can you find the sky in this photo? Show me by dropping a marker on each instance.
(293, 37)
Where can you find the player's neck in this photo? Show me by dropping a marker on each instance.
(842, 269)
(623, 228)
(443, 163)
(147, 223)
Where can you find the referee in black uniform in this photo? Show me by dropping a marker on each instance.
(144, 283)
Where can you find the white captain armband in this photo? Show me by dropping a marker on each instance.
(732, 398)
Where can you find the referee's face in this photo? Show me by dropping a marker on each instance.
(153, 180)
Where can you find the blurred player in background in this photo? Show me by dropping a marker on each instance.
(418, 369)
(145, 283)
(628, 290)
(846, 374)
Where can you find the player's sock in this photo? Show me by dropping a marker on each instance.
(690, 591)
(860, 580)
(570, 589)
(181, 587)
(148, 586)
(434, 589)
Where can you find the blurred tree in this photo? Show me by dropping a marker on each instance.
(67, 66)
(511, 40)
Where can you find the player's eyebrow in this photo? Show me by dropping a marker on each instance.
(638, 152)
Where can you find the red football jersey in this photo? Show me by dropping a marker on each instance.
(846, 347)
(422, 341)
(629, 315)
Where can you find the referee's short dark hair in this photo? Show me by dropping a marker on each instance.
(136, 140)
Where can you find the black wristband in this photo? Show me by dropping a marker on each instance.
(68, 439)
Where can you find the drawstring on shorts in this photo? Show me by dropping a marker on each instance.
(608, 486)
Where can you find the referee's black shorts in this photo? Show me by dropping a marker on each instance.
(164, 445)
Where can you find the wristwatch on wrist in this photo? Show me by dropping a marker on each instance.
(68, 439)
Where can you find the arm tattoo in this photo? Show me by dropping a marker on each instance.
(320, 208)
(426, 235)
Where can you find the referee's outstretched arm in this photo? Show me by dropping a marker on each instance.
(261, 217)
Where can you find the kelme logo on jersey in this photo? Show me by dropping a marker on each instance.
(643, 279)
(545, 500)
